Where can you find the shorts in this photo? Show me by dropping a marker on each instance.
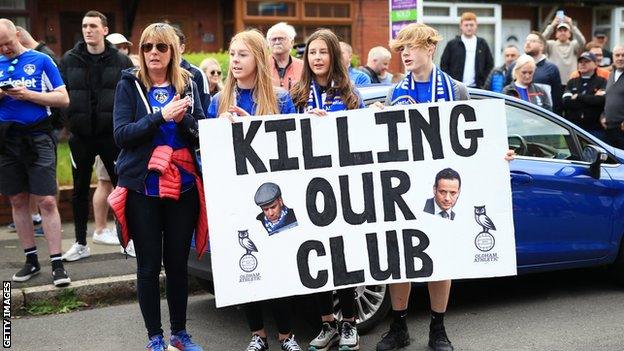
(23, 171)
(100, 170)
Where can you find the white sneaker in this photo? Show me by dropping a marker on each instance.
(327, 338)
(105, 237)
(76, 252)
(129, 249)
(349, 338)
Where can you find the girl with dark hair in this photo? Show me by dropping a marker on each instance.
(325, 87)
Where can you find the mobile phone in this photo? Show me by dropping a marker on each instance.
(7, 86)
(560, 14)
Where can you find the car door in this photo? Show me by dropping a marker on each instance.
(562, 215)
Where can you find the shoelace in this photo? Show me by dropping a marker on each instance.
(290, 344)
(184, 338)
(347, 330)
(392, 333)
(256, 344)
(440, 335)
(156, 344)
(324, 330)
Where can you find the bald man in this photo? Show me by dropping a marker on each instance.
(31, 84)
(357, 77)
(29, 42)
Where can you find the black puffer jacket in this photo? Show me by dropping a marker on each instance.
(77, 71)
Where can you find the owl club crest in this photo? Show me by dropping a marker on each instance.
(29, 69)
(484, 240)
(161, 95)
(248, 262)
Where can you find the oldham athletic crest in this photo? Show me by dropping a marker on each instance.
(29, 69)
(161, 95)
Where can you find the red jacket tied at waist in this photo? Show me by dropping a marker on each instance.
(166, 161)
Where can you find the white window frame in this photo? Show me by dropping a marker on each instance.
(454, 15)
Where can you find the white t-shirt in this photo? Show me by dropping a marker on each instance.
(470, 76)
(617, 74)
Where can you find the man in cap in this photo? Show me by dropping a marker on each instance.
(275, 216)
(564, 52)
(584, 97)
(121, 43)
(601, 38)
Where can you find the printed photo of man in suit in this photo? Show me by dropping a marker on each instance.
(446, 191)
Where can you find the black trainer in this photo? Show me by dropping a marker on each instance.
(397, 337)
(60, 277)
(27, 272)
(438, 341)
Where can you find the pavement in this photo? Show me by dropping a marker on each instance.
(107, 276)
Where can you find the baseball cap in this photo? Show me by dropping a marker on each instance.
(117, 38)
(587, 56)
(563, 25)
(600, 33)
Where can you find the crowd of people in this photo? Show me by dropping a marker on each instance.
(135, 118)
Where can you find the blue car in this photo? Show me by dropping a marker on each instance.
(568, 199)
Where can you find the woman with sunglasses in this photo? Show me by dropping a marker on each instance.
(249, 91)
(325, 87)
(159, 199)
(212, 69)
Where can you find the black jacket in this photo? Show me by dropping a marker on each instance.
(201, 81)
(136, 124)
(454, 57)
(586, 109)
(78, 73)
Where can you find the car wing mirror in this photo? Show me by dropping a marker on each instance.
(595, 156)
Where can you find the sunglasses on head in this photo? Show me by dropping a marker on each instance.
(215, 72)
(162, 47)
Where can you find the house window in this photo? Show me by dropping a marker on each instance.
(12, 4)
(271, 8)
(327, 10)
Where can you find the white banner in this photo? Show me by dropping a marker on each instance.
(299, 204)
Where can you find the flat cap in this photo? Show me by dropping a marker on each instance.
(267, 193)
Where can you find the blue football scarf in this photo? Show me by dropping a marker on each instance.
(441, 88)
(270, 226)
(325, 101)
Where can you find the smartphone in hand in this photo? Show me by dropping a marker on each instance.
(7, 86)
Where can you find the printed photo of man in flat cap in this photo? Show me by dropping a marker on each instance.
(275, 216)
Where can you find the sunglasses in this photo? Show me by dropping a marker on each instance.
(212, 73)
(11, 68)
(162, 47)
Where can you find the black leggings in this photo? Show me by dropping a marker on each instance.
(83, 152)
(281, 309)
(155, 223)
(346, 297)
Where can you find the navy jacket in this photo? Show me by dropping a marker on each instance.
(201, 81)
(134, 126)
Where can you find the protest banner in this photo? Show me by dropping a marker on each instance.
(299, 204)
